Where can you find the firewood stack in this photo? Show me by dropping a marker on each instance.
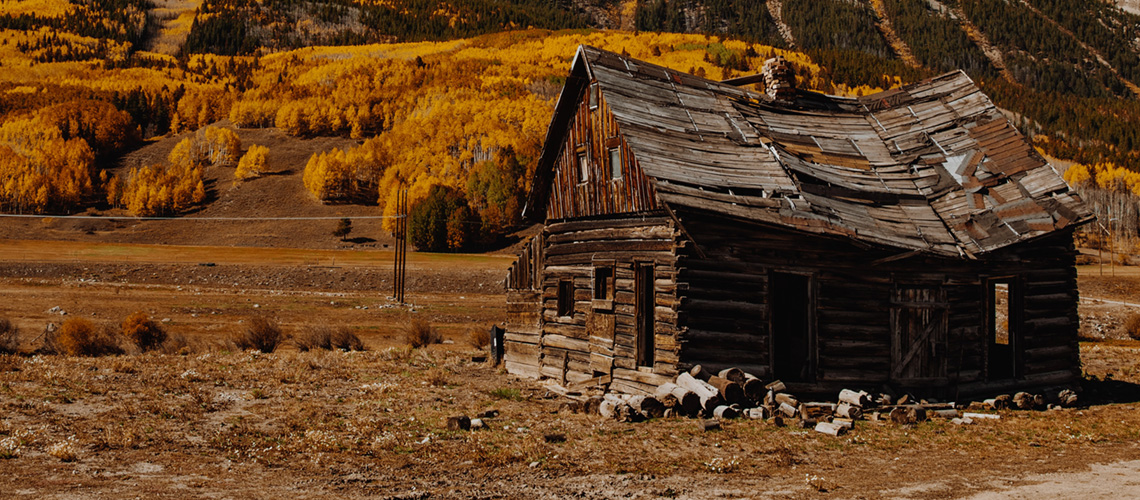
(779, 79)
(732, 393)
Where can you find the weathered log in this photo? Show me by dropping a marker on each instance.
(817, 411)
(700, 373)
(899, 416)
(477, 423)
(947, 414)
(848, 410)
(608, 409)
(776, 386)
(777, 420)
(568, 407)
(783, 397)
(729, 390)
(647, 406)
(1027, 401)
(753, 388)
(830, 428)
(725, 412)
(709, 396)
(884, 400)
(708, 425)
(788, 410)
(847, 423)
(759, 413)
(459, 423)
(981, 416)
(732, 374)
(688, 403)
(916, 413)
(1002, 402)
(592, 405)
(1067, 398)
(860, 399)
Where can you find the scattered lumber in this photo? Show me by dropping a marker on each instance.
(709, 395)
(733, 393)
(729, 390)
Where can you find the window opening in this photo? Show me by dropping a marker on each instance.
(615, 163)
(565, 298)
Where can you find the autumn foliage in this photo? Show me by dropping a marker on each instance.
(252, 163)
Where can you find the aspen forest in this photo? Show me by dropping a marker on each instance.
(451, 100)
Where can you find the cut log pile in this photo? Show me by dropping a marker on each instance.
(732, 393)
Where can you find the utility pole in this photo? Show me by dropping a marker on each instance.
(401, 234)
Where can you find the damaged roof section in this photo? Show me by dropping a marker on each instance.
(932, 166)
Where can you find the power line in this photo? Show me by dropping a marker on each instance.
(123, 217)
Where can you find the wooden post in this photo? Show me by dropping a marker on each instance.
(401, 234)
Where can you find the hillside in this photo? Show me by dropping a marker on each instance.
(395, 78)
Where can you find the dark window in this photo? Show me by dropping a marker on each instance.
(645, 307)
(583, 167)
(603, 283)
(615, 163)
(566, 298)
(1002, 297)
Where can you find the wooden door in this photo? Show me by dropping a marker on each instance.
(645, 305)
(791, 309)
(919, 324)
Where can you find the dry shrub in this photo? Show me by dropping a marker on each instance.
(419, 333)
(260, 333)
(345, 340)
(328, 338)
(313, 337)
(81, 337)
(1132, 326)
(177, 344)
(9, 337)
(479, 338)
(66, 450)
(437, 377)
(143, 332)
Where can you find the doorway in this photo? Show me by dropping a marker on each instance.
(645, 303)
(793, 335)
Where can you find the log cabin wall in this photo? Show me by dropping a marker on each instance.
(595, 334)
(878, 316)
(524, 311)
(603, 184)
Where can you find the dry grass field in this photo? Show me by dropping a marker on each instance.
(209, 421)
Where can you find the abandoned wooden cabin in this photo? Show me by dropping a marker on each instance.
(910, 239)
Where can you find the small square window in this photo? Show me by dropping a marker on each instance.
(615, 163)
(583, 167)
(566, 298)
(603, 283)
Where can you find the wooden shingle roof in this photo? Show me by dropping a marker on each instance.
(933, 166)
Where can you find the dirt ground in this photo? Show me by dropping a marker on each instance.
(215, 423)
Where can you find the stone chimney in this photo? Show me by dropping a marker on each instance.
(779, 79)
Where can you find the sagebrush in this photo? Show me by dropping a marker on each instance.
(82, 337)
(9, 337)
(328, 338)
(1132, 326)
(260, 333)
(143, 332)
(419, 333)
